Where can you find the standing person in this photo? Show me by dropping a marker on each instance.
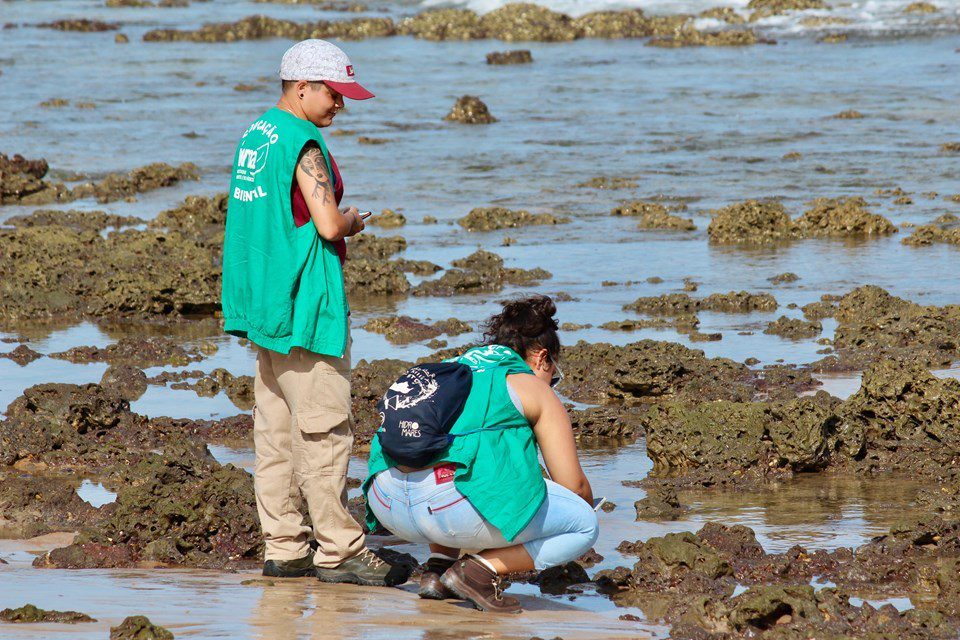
(485, 490)
(283, 290)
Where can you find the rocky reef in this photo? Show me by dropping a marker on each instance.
(22, 182)
(493, 218)
(516, 56)
(688, 580)
(513, 22)
(654, 215)
(404, 329)
(29, 613)
(470, 110)
(756, 221)
(480, 272)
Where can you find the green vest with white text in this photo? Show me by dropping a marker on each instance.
(282, 284)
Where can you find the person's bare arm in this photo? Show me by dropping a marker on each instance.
(551, 426)
(317, 188)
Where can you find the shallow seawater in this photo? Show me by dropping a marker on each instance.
(705, 127)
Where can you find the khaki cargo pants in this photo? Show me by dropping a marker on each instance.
(303, 436)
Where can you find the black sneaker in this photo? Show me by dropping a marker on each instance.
(289, 568)
(368, 569)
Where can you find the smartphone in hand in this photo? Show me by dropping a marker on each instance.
(365, 214)
(598, 502)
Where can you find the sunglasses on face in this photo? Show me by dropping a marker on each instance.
(557, 375)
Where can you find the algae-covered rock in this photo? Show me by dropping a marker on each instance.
(55, 271)
(21, 181)
(765, 8)
(261, 27)
(763, 607)
(726, 14)
(140, 352)
(200, 215)
(76, 220)
(517, 56)
(784, 278)
(614, 24)
(558, 579)
(520, 21)
(127, 381)
(365, 277)
(819, 310)
(22, 355)
(82, 25)
(606, 423)
(239, 389)
(793, 328)
(689, 36)
(480, 272)
(728, 442)
(492, 218)
(649, 370)
(753, 221)
(661, 503)
(678, 553)
(683, 304)
(848, 114)
(404, 329)
(388, 219)
(843, 216)
(180, 507)
(875, 324)
(369, 246)
(738, 302)
(654, 215)
(118, 186)
(139, 628)
(921, 7)
(666, 304)
(443, 24)
(34, 505)
(470, 110)
(946, 229)
(609, 182)
(30, 613)
(905, 417)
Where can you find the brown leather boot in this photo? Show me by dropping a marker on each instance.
(430, 586)
(471, 580)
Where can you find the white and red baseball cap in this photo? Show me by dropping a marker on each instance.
(318, 60)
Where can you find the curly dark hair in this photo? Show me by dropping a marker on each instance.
(524, 325)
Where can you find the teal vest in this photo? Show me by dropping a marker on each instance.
(497, 459)
(282, 284)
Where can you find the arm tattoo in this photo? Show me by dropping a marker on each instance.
(315, 166)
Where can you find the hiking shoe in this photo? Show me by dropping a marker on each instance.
(289, 568)
(366, 568)
(471, 580)
(430, 586)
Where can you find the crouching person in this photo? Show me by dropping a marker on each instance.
(480, 488)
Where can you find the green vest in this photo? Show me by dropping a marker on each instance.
(498, 467)
(282, 285)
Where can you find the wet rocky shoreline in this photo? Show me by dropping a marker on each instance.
(707, 424)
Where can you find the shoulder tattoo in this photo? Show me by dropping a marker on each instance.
(315, 166)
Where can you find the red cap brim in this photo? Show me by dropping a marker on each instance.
(351, 90)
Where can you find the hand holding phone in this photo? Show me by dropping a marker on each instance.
(365, 214)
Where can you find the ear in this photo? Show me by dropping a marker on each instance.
(542, 358)
(301, 87)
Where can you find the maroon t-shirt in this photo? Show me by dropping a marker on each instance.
(301, 214)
